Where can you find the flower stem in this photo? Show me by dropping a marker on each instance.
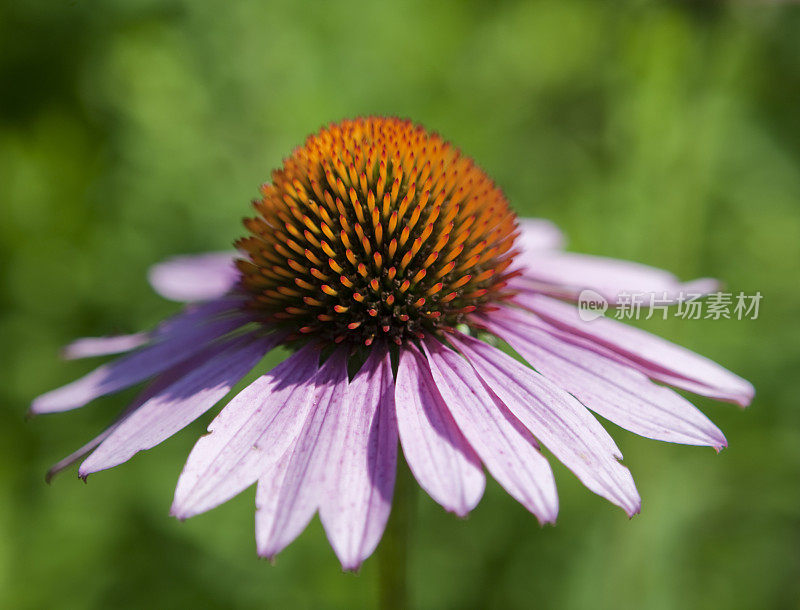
(393, 550)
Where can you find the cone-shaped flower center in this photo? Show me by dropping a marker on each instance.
(377, 228)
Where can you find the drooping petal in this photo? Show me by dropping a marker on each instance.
(195, 314)
(173, 327)
(437, 453)
(507, 449)
(157, 385)
(557, 420)
(288, 495)
(89, 347)
(618, 392)
(177, 344)
(213, 373)
(227, 461)
(82, 452)
(161, 382)
(567, 274)
(358, 497)
(537, 235)
(196, 277)
(657, 358)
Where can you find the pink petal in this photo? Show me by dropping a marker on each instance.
(289, 495)
(89, 347)
(619, 393)
(85, 450)
(437, 453)
(268, 500)
(157, 385)
(226, 461)
(214, 372)
(177, 343)
(358, 498)
(537, 235)
(567, 274)
(504, 445)
(655, 357)
(195, 278)
(194, 314)
(559, 421)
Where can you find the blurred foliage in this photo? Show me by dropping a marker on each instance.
(668, 133)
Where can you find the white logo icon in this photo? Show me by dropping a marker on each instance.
(591, 305)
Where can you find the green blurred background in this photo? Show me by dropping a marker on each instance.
(667, 133)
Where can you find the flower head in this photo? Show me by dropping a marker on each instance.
(377, 229)
(389, 263)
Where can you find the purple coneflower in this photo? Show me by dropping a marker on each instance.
(390, 264)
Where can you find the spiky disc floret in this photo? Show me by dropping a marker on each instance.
(377, 227)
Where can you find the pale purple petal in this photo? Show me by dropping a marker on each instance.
(358, 495)
(173, 327)
(216, 371)
(177, 343)
(504, 445)
(289, 495)
(567, 274)
(79, 454)
(194, 314)
(557, 420)
(618, 392)
(89, 347)
(657, 358)
(227, 461)
(195, 278)
(537, 235)
(437, 453)
(268, 501)
(156, 386)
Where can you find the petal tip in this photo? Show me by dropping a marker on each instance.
(183, 509)
(179, 513)
(39, 405)
(350, 566)
(633, 509)
(547, 520)
(269, 553)
(747, 396)
(53, 402)
(704, 285)
(84, 471)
